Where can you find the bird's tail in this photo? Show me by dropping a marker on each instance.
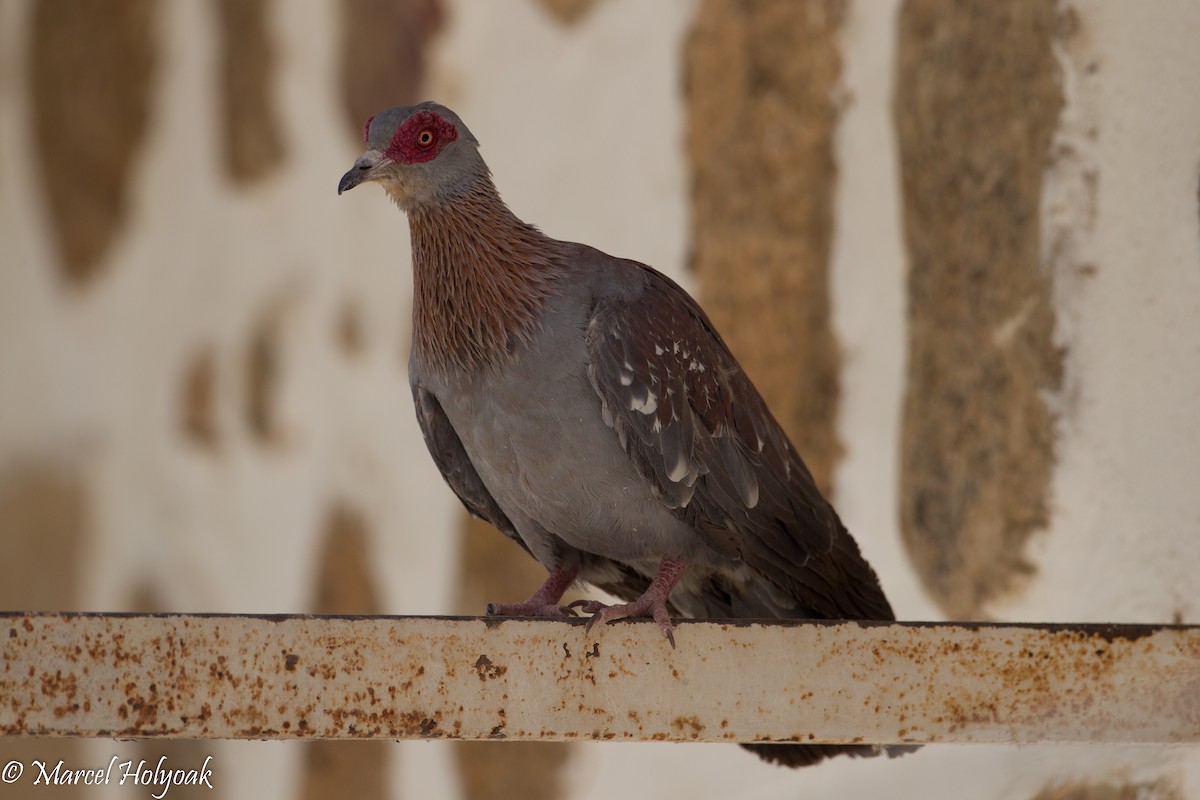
(802, 755)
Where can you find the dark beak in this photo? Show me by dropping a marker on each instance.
(362, 171)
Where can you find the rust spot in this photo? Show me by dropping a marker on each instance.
(595, 652)
(290, 661)
(1130, 633)
(692, 722)
(487, 670)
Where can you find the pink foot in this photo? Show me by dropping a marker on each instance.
(642, 607)
(529, 608)
(652, 603)
(544, 602)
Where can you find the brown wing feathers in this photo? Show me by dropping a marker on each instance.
(698, 430)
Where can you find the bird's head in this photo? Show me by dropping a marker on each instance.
(423, 155)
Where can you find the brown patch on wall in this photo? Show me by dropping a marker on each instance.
(384, 46)
(1158, 790)
(197, 400)
(568, 12)
(251, 142)
(43, 526)
(502, 770)
(349, 333)
(264, 366)
(494, 568)
(760, 125)
(345, 585)
(977, 103)
(91, 69)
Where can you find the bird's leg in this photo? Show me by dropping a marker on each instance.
(652, 603)
(544, 602)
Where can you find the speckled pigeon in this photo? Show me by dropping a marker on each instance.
(585, 406)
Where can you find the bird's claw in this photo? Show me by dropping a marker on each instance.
(587, 607)
(642, 607)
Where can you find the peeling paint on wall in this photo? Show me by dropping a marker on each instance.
(761, 80)
(252, 143)
(91, 71)
(197, 400)
(569, 12)
(977, 104)
(1154, 790)
(264, 371)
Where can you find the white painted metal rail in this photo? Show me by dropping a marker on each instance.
(320, 677)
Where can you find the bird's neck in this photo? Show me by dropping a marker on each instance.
(480, 279)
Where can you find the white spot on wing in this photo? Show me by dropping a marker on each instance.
(647, 406)
(679, 470)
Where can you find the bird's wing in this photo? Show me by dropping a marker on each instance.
(700, 433)
(455, 465)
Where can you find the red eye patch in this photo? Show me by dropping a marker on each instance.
(406, 146)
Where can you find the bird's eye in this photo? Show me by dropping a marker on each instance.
(425, 138)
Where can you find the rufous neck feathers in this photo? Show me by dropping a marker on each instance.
(480, 279)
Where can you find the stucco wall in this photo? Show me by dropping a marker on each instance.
(992, 273)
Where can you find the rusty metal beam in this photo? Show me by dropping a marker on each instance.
(288, 677)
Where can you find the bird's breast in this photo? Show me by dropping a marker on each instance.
(535, 434)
